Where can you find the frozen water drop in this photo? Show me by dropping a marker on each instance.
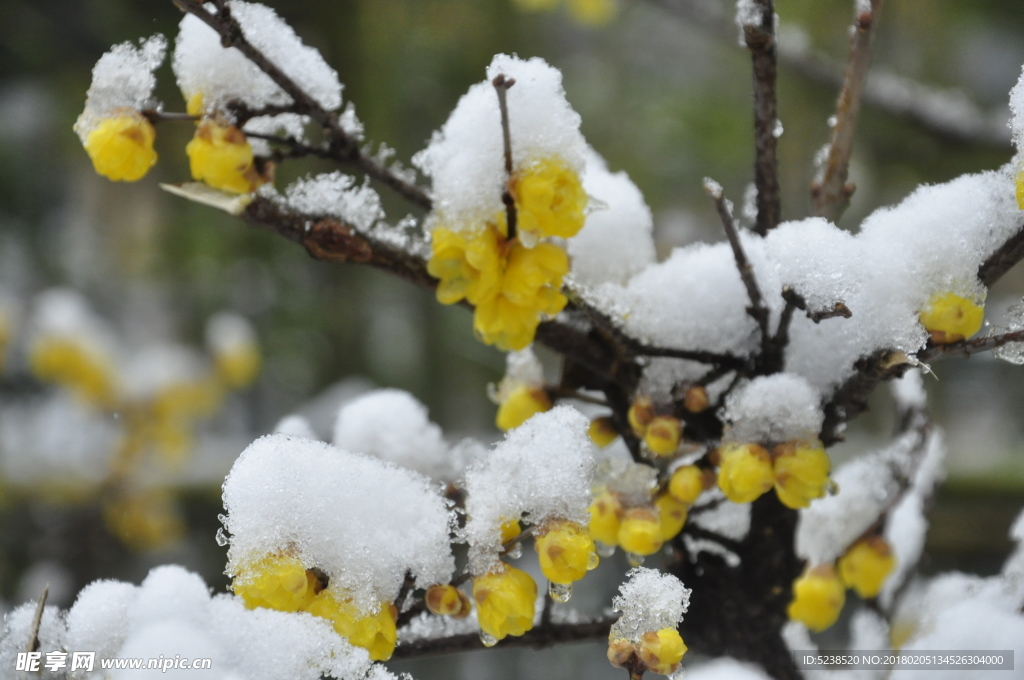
(487, 639)
(515, 552)
(593, 561)
(222, 538)
(605, 549)
(560, 592)
(222, 518)
(634, 559)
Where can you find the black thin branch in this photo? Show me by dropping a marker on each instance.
(968, 348)
(760, 39)
(501, 86)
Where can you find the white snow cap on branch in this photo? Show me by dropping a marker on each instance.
(542, 470)
(362, 521)
(393, 425)
(1017, 108)
(615, 242)
(122, 79)
(221, 75)
(335, 194)
(465, 158)
(228, 332)
(649, 601)
(774, 408)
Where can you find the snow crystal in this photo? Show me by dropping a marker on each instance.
(817, 260)
(725, 669)
(295, 426)
(336, 194)
(122, 79)
(649, 601)
(543, 469)
(1011, 352)
(465, 158)
(775, 408)
(394, 426)
(522, 369)
(615, 242)
(16, 632)
(909, 391)
(748, 13)
(695, 546)
(98, 621)
(364, 522)
(731, 520)
(1017, 108)
(222, 75)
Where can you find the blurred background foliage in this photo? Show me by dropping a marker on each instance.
(665, 100)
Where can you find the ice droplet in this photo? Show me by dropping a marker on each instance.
(222, 538)
(604, 549)
(560, 592)
(593, 561)
(515, 552)
(488, 640)
(634, 559)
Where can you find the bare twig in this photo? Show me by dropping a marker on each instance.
(967, 348)
(1003, 259)
(155, 117)
(760, 39)
(501, 86)
(37, 620)
(541, 636)
(797, 301)
(831, 193)
(345, 147)
(757, 309)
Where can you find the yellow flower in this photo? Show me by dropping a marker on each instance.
(671, 514)
(550, 199)
(121, 147)
(663, 435)
(592, 12)
(696, 399)
(949, 317)
(194, 104)
(866, 565)
(238, 367)
(521, 404)
(469, 265)
(566, 551)
(504, 324)
(219, 154)
(661, 651)
(605, 518)
(374, 632)
(640, 531)
(447, 600)
(534, 275)
(686, 484)
(602, 432)
(1020, 190)
(145, 521)
(801, 473)
(510, 530)
(818, 597)
(640, 415)
(76, 366)
(505, 600)
(278, 582)
(745, 472)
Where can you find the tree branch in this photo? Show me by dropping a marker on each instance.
(831, 193)
(501, 86)
(1003, 259)
(538, 637)
(760, 39)
(968, 348)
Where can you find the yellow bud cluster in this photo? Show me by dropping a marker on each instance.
(949, 317)
(281, 582)
(866, 565)
(447, 600)
(602, 431)
(505, 599)
(121, 146)
(818, 598)
(658, 651)
(220, 155)
(799, 471)
(550, 199)
(745, 472)
(520, 405)
(145, 521)
(89, 374)
(566, 551)
(661, 434)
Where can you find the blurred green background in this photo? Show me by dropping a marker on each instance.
(665, 99)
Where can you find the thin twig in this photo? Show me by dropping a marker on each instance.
(37, 620)
(345, 147)
(501, 86)
(967, 348)
(155, 117)
(760, 39)
(797, 301)
(540, 636)
(545, 612)
(559, 393)
(757, 309)
(831, 193)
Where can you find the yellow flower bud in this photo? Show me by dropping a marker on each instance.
(469, 265)
(640, 531)
(520, 405)
(1020, 190)
(696, 399)
(145, 521)
(661, 651)
(447, 600)
(687, 484)
(866, 565)
(602, 432)
(375, 632)
(239, 367)
(220, 155)
(550, 199)
(505, 600)
(663, 435)
(745, 472)
(801, 473)
(565, 550)
(121, 147)
(605, 515)
(818, 598)
(672, 515)
(592, 12)
(640, 415)
(278, 582)
(620, 651)
(509, 530)
(949, 317)
(76, 366)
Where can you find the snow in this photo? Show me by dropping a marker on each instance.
(394, 426)
(817, 260)
(336, 194)
(63, 314)
(616, 241)
(542, 470)
(731, 520)
(1017, 111)
(649, 601)
(771, 409)
(295, 426)
(465, 158)
(17, 629)
(227, 332)
(162, 365)
(725, 669)
(363, 521)
(122, 79)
